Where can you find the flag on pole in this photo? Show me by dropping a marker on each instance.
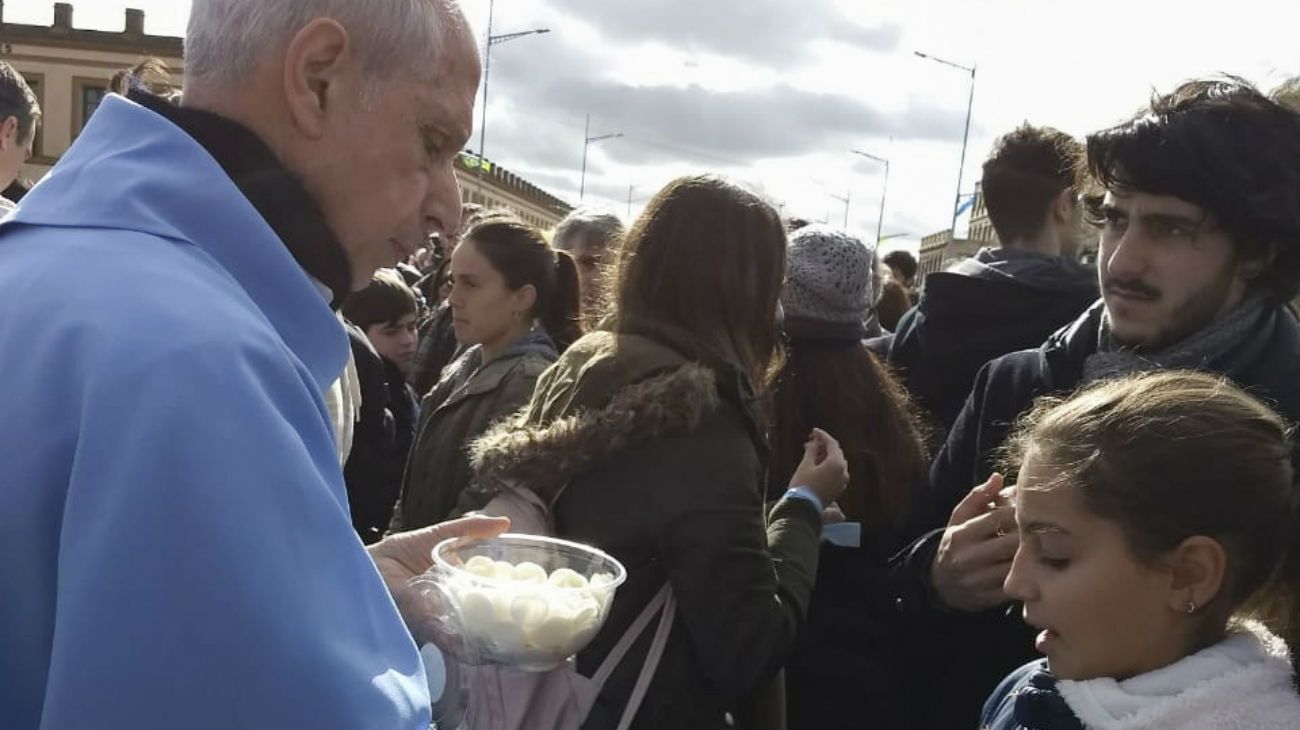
(966, 204)
(474, 162)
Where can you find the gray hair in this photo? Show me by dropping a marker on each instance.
(226, 38)
(18, 101)
(597, 229)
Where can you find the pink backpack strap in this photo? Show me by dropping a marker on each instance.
(652, 658)
(664, 604)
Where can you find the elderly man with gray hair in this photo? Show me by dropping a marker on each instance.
(592, 239)
(179, 552)
(20, 115)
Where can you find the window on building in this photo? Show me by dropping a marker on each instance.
(91, 96)
(89, 93)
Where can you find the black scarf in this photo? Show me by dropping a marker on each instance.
(272, 189)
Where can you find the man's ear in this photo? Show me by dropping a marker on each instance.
(316, 61)
(1063, 206)
(1254, 267)
(8, 132)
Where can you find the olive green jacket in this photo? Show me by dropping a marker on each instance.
(661, 463)
(467, 400)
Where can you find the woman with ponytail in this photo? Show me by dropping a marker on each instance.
(514, 303)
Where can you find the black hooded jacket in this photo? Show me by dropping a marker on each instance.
(1000, 301)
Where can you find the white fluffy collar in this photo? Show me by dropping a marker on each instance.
(1243, 681)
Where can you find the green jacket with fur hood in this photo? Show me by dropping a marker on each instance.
(660, 461)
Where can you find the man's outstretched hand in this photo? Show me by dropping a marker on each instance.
(405, 555)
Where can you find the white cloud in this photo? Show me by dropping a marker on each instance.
(840, 64)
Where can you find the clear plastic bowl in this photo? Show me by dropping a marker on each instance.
(531, 618)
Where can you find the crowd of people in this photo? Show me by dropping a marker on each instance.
(259, 359)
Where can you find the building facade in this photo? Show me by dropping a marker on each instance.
(69, 70)
(939, 250)
(485, 183)
(981, 227)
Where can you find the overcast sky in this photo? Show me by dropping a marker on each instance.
(777, 92)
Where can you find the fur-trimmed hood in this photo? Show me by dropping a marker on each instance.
(607, 394)
(545, 456)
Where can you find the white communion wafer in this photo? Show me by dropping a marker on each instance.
(502, 570)
(586, 613)
(477, 610)
(600, 595)
(479, 565)
(553, 634)
(527, 572)
(529, 609)
(508, 637)
(567, 578)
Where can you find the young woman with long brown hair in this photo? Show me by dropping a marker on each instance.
(845, 667)
(646, 438)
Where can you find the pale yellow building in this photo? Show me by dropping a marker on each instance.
(939, 251)
(69, 70)
(493, 186)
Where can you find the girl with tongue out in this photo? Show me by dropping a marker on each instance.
(1154, 512)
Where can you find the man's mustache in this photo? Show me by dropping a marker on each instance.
(1132, 288)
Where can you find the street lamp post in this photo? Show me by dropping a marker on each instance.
(587, 140)
(846, 200)
(970, 102)
(493, 40)
(884, 190)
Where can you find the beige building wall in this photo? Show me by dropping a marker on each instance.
(499, 188)
(939, 251)
(933, 248)
(61, 78)
(70, 68)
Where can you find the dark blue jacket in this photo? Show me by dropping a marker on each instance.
(384, 431)
(1027, 700)
(968, 654)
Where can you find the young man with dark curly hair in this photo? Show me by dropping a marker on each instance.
(1199, 253)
